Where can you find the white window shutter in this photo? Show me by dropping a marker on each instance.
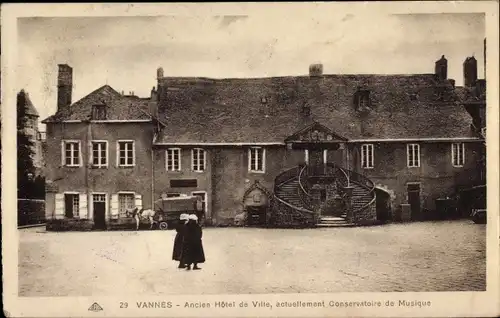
(59, 206)
(63, 154)
(114, 206)
(83, 206)
(138, 201)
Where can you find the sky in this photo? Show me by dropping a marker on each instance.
(125, 52)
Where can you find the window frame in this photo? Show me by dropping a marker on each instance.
(77, 196)
(66, 142)
(461, 156)
(125, 193)
(179, 152)
(99, 109)
(91, 153)
(193, 164)
(416, 159)
(118, 153)
(205, 203)
(250, 162)
(365, 164)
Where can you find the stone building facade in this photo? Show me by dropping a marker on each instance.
(384, 146)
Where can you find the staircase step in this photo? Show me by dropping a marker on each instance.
(335, 225)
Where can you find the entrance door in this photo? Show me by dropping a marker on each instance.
(99, 208)
(414, 200)
(201, 205)
(256, 215)
(316, 161)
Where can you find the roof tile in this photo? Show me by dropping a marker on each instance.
(199, 110)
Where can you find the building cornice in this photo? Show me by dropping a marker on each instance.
(385, 140)
(111, 121)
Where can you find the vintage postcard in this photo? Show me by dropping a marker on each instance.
(250, 159)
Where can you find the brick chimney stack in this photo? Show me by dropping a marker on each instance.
(441, 68)
(64, 86)
(470, 71)
(315, 70)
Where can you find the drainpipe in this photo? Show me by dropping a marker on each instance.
(347, 164)
(86, 161)
(153, 172)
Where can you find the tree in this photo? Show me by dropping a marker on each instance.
(25, 166)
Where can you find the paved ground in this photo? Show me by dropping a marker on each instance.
(441, 256)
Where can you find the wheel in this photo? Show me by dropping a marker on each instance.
(163, 226)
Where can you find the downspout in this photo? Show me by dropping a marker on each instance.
(347, 164)
(153, 171)
(87, 163)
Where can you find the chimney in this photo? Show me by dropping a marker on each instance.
(480, 88)
(315, 70)
(484, 58)
(441, 68)
(470, 71)
(153, 102)
(159, 72)
(64, 86)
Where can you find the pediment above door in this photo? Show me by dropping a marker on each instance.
(315, 133)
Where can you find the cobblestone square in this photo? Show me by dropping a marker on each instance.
(418, 257)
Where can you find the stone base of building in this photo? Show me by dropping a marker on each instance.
(69, 225)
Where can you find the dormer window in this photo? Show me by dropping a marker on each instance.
(99, 112)
(362, 100)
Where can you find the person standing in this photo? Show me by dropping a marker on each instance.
(179, 239)
(192, 252)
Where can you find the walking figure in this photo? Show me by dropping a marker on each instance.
(192, 249)
(179, 239)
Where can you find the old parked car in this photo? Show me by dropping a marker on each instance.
(168, 210)
(478, 216)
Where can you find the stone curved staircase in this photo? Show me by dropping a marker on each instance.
(293, 204)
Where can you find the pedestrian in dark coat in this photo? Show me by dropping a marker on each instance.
(192, 251)
(179, 239)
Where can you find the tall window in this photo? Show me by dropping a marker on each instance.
(126, 201)
(126, 153)
(458, 154)
(71, 153)
(256, 159)
(173, 159)
(413, 155)
(367, 156)
(198, 159)
(71, 205)
(99, 154)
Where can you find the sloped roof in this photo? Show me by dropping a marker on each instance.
(200, 110)
(30, 108)
(119, 107)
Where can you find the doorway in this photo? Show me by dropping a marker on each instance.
(99, 209)
(414, 200)
(383, 205)
(316, 161)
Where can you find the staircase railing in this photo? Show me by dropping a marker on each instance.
(286, 176)
(287, 214)
(303, 189)
(364, 182)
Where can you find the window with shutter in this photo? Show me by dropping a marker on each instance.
(59, 206)
(83, 206)
(138, 201)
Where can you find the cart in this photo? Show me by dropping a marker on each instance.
(169, 210)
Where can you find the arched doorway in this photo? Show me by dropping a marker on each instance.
(256, 204)
(383, 205)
